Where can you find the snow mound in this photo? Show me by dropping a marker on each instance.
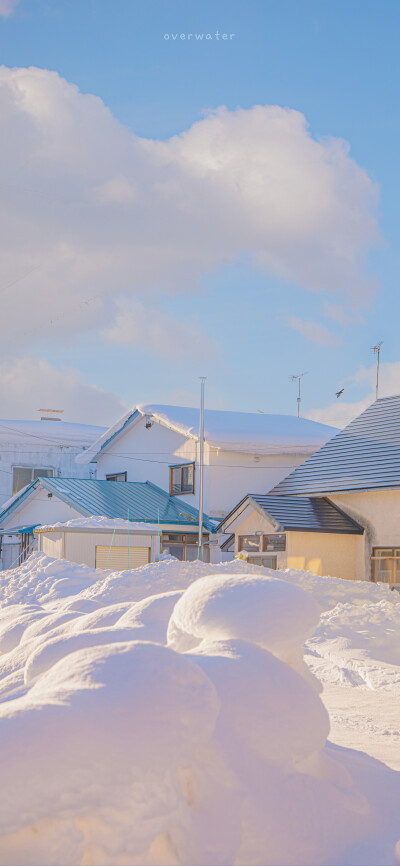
(118, 749)
(359, 646)
(267, 611)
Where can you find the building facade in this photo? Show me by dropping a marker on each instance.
(241, 450)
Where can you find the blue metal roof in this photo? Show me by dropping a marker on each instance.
(363, 456)
(133, 500)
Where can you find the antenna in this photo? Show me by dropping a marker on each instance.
(377, 350)
(298, 378)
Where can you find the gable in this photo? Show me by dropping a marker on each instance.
(38, 508)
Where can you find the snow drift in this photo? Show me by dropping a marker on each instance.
(166, 716)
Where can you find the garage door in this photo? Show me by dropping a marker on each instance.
(117, 558)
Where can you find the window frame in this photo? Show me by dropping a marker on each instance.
(181, 539)
(260, 560)
(32, 469)
(274, 543)
(261, 538)
(391, 554)
(181, 466)
(113, 476)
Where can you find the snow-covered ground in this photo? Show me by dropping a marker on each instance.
(168, 715)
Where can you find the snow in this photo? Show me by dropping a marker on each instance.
(248, 432)
(49, 433)
(166, 716)
(97, 522)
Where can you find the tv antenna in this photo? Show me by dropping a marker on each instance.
(298, 378)
(377, 350)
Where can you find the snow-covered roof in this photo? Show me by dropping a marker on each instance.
(48, 433)
(247, 432)
(100, 523)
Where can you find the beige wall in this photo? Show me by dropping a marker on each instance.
(322, 553)
(379, 512)
(80, 547)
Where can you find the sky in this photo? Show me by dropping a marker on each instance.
(177, 204)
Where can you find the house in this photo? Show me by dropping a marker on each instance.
(45, 448)
(359, 471)
(47, 501)
(161, 444)
(293, 532)
(101, 542)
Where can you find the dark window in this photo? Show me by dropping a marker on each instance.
(119, 476)
(23, 475)
(181, 479)
(266, 561)
(386, 565)
(184, 547)
(274, 542)
(250, 543)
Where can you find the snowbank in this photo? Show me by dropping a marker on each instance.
(164, 716)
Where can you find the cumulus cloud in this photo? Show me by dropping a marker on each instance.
(89, 210)
(151, 330)
(341, 412)
(313, 331)
(30, 384)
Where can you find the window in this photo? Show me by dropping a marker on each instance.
(266, 561)
(274, 542)
(386, 565)
(181, 479)
(119, 476)
(262, 544)
(250, 543)
(23, 475)
(184, 547)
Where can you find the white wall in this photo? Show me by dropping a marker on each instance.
(146, 455)
(46, 456)
(233, 475)
(40, 509)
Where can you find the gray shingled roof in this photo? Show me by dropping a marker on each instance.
(363, 456)
(302, 514)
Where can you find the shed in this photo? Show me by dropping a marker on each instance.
(48, 501)
(100, 542)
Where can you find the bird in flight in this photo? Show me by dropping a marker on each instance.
(339, 393)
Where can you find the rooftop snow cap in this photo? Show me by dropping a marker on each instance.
(246, 432)
(48, 434)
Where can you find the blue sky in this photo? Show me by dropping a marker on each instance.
(336, 63)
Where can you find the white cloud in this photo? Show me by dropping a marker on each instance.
(152, 331)
(90, 210)
(313, 331)
(342, 412)
(30, 384)
(7, 7)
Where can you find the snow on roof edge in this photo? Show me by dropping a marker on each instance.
(258, 442)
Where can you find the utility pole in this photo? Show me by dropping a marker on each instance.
(299, 378)
(377, 350)
(201, 461)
